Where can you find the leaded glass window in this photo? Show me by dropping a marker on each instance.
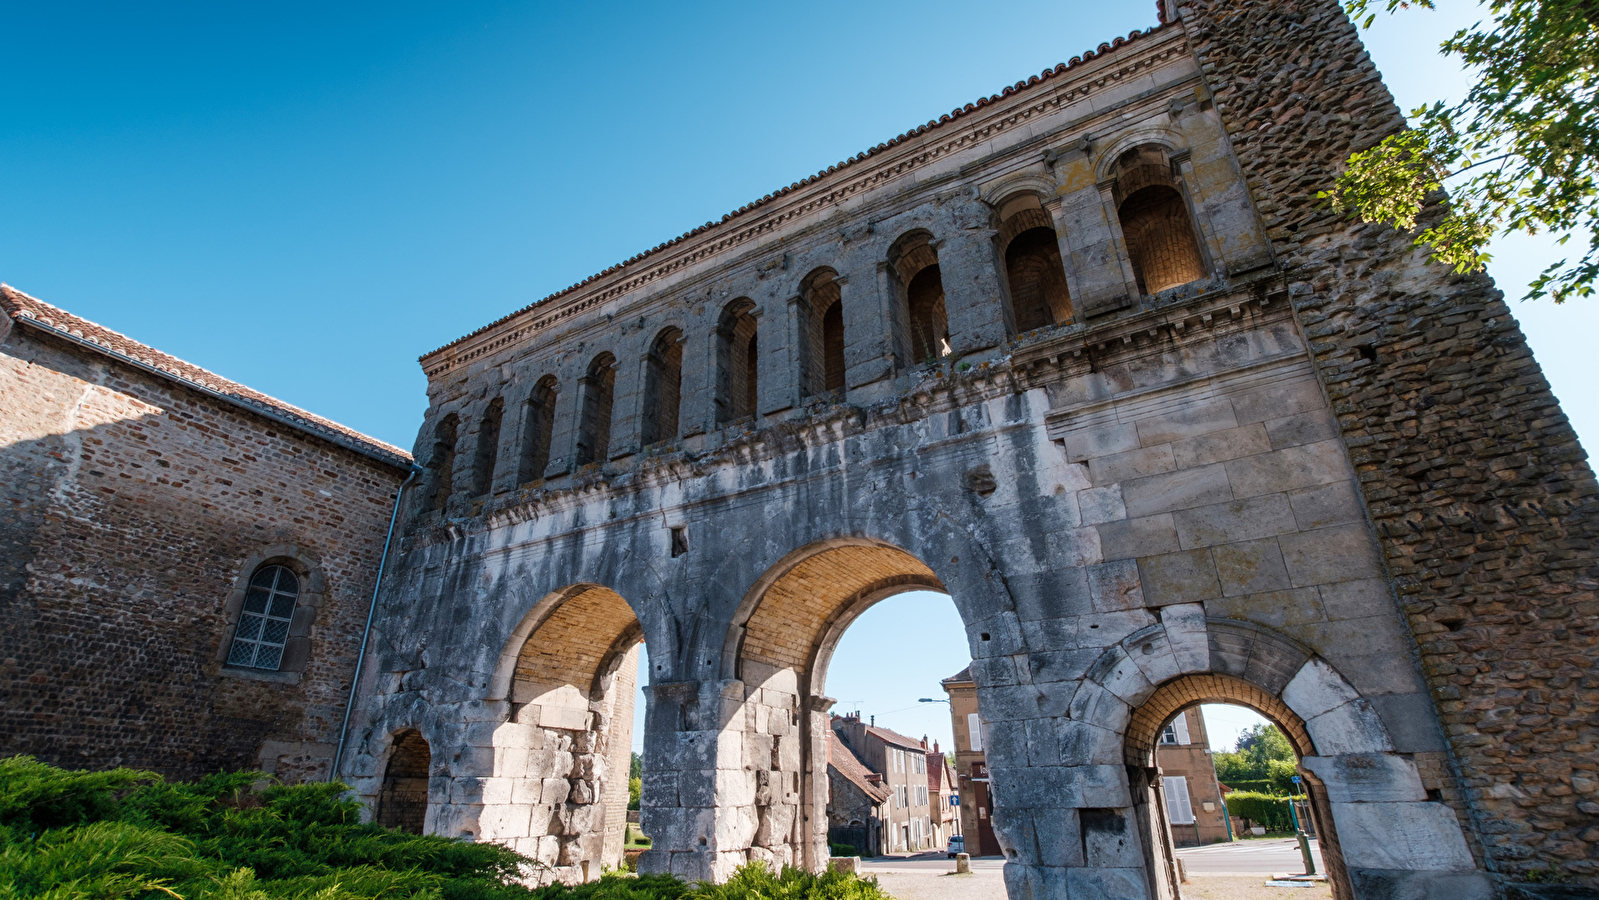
(264, 622)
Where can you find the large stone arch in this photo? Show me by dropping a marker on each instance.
(772, 775)
(1382, 834)
(554, 784)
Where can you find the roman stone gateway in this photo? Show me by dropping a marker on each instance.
(1088, 356)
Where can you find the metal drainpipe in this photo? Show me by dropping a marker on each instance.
(371, 610)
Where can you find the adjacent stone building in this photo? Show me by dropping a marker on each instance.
(186, 564)
(944, 796)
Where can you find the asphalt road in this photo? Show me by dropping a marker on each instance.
(929, 862)
(1257, 857)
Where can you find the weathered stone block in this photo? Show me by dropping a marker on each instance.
(1235, 520)
(1288, 469)
(1185, 577)
(1114, 586)
(1367, 778)
(1245, 440)
(1099, 505)
(1189, 420)
(1403, 836)
(1125, 466)
(1176, 490)
(1328, 555)
(1131, 538)
(1250, 567)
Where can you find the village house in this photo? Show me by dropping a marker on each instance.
(943, 794)
(971, 765)
(902, 762)
(858, 802)
(1194, 807)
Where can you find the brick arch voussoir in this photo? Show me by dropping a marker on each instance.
(541, 612)
(903, 571)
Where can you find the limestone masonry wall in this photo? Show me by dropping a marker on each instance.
(134, 508)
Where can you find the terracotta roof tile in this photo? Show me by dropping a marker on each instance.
(964, 675)
(982, 102)
(894, 737)
(848, 765)
(36, 312)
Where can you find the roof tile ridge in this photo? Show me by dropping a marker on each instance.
(178, 367)
(958, 112)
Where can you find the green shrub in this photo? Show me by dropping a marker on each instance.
(754, 881)
(234, 836)
(843, 850)
(237, 836)
(1262, 809)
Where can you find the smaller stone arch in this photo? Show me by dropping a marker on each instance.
(663, 387)
(1157, 225)
(538, 428)
(598, 390)
(441, 461)
(737, 394)
(1381, 833)
(822, 332)
(403, 798)
(555, 785)
(1035, 276)
(487, 454)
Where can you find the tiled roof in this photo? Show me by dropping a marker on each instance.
(894, 737)
(982, 102)
(963, 676)
(39, 314)
(848, 765)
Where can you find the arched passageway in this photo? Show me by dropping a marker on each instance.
(777, 655)
(1098, 817)
(403, 800)
(558, 790)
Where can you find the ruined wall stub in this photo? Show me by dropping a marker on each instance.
(1288, 484)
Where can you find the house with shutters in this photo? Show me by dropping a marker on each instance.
(1193, 797)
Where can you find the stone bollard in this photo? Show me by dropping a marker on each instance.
(850, 864)
(963, 864)
(1182, 872)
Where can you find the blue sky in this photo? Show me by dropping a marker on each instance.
(306, 197)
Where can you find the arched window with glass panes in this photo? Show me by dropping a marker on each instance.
(263, 628)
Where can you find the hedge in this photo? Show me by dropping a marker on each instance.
(1265, 810)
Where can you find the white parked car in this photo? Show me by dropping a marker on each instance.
(957, 844)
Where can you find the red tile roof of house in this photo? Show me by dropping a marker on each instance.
(982, 102)
(964, 676)
(894, 737)
(853, 770)
(39, 314)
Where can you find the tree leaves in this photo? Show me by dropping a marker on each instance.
(1519, 154)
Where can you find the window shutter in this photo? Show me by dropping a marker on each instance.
(974, 729)
(1182, 728)
(1178, 809)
